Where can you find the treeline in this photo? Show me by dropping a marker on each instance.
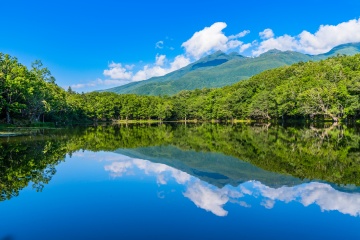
(328, 89)
(31, 95)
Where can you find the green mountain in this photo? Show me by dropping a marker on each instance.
(144, 87)
(347, 49)
(220, 69)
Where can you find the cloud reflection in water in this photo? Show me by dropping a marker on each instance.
(213, 199)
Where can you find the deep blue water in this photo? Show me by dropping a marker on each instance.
(107, 195)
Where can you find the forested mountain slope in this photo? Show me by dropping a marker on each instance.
(220, 69)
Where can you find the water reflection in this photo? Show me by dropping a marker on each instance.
(161, 171)
(213, 199)
(217, 164)
(321, 194)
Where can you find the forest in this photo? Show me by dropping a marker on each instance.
(315, 91)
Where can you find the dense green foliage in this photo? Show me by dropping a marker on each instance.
(325, 89)
(28, 94)
(329, 152)
(111, 106)
(219, 69)
(328, 89)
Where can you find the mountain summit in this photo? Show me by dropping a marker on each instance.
(220, 69)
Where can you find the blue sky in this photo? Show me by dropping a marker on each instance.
(100, 44)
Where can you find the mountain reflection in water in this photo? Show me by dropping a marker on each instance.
(213, 199)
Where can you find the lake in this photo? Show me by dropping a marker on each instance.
(177, 181)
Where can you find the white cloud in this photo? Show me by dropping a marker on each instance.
(129, 67)
(158, 69)
(148, 72)
(211, 39)
(321, 194)
(121, 75)
(327, 37)
(207, 198)
(266, 34)
(180, 61)
(202, 194)
(162, 171)
(239, 35)
(159, 44)
(160, 59)
(117, 169)
(116, 71)
(282, 43)
(245, 47)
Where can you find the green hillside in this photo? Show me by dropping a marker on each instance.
(220, 69)
(205, 63)
(347, 49)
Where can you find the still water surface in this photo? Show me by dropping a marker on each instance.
(182, 182)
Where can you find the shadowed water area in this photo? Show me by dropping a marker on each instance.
(177, 181)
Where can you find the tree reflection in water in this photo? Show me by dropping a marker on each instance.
(329, 152)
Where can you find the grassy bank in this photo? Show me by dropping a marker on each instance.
(183, 121)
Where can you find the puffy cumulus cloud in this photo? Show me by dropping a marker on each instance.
(180, 61)
(116, 71)
(148, 72)
(282, 43)
(212, 39)
(208, 39)
(327, 37)
(266, 34)
(120, 75)
(159, 69)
